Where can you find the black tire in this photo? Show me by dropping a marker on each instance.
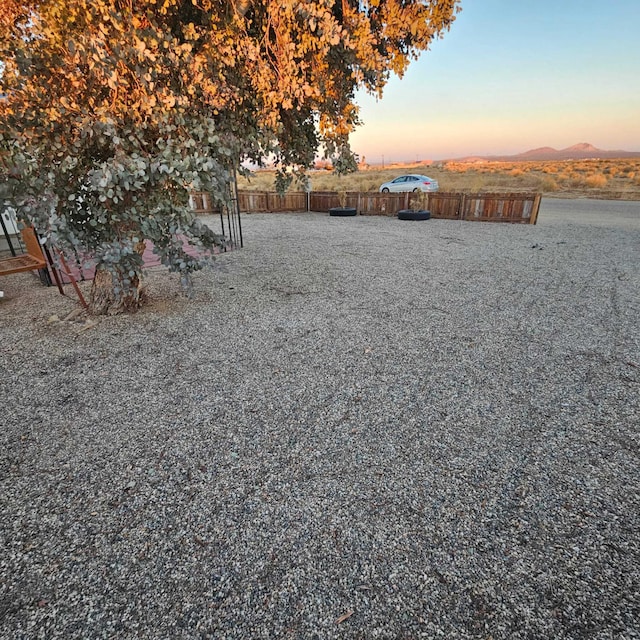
(343, 211)
(385, 190)
(416, 190)
(414, 214)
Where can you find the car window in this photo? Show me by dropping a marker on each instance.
(412, 179)
(400, 179)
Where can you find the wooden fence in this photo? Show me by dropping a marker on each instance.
(269, 201)
(512, 207)
(485, 207)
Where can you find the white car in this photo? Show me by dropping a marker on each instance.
(412, 182)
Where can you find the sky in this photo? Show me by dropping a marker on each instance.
(513, 75)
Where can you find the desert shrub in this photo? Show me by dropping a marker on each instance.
(477, 184)
(549, 184)
(364, 183)
(596, 180)
(575, 179)
(516, 172)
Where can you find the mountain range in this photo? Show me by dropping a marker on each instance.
(580, 151)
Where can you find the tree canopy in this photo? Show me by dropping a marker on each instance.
(114, 110)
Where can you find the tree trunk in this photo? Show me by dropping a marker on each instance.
(104, 300)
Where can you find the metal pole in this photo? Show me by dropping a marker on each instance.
(6, 235)
(235, 184)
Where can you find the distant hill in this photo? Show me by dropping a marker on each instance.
(580, 151)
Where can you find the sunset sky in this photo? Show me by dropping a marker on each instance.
(512, 76)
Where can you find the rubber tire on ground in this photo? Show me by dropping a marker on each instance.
(343, 211)
(385, 190)
(414, 214)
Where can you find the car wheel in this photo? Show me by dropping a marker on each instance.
(416, 190)
(385, 190)
(414, 214)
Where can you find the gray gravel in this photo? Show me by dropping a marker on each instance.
(360, 428)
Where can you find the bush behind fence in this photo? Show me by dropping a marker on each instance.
(487, 207)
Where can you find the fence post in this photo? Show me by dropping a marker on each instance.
(536, 208)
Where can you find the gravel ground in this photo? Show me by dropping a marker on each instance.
(360, 428)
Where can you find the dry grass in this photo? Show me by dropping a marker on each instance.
(613, 179)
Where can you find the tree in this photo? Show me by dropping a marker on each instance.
(113, 110)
